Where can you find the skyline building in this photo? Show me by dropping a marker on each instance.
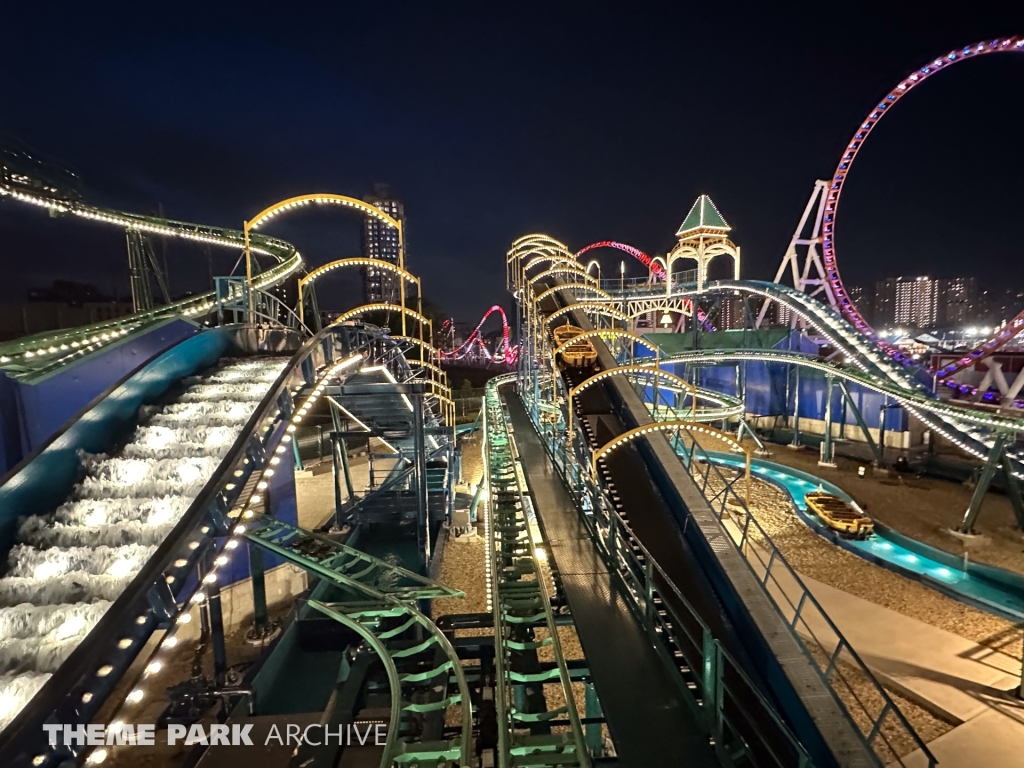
(917, 302)
(379, 241)
(958, 307)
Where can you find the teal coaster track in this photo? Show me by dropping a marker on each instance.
(55, 348)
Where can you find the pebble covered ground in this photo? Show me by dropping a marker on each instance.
(923, 508)
(812, 555)
(904, 507)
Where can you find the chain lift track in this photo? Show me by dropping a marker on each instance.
(521, 607)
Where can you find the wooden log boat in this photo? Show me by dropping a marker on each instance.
(580, 354)
(839, 515)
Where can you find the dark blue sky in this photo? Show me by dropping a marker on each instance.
(490, 122)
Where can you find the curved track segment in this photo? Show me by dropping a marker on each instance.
(971, 430)
(1001, 45)
(70, 344)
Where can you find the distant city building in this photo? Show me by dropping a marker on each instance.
(958, 305)
(885, 302)
(64, 304)
(380, 241)
(909, 301)
(917, 302)
(864, 302)
(1001, 305)
(732, 314)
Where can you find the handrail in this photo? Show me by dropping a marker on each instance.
(150, 594)
(52, 342)
(748, 544)
(937, 413)
(646, 580)
(502, 467)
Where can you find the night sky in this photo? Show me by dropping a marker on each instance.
(490, 123)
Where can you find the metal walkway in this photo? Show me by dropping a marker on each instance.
(648, 720)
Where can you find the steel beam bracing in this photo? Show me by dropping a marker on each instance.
(768, 566)
(341, 564)
(867, 365)
(521, 607)
(975, 432)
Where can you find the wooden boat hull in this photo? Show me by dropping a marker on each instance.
(581, 354)
(839, 516)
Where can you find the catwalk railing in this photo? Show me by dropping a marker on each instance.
(879, 722)
(521, 605)
(737, 716)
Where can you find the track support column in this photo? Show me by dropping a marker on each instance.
(861, 423)
(827, 450)
(796, 409)
(987, 473)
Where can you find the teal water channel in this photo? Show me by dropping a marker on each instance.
(991, 589)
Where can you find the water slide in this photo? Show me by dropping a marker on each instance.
(104, 526)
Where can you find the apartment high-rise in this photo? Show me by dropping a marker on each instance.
(917, 302)
(885, 302)
(907, 301)
(863, 301)
(732, 313)
(380, 241)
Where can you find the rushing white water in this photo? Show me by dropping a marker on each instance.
(71, 564)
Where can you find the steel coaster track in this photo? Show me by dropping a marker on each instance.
(975, 432)
(807, 604)
(386, 625)
(210, 529)
(521, 606)
(341, 564)
(969, 429)
(732, 707)
(73, 342)
(392, 625)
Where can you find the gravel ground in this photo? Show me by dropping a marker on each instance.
(472, 460)
(922, 508)
(810, 554)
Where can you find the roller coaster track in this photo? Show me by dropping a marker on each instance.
(379, 599)
(382, 609)
(67, 345)
(833, 189)
(884, 107)
(720, 495)
(521, 607)
(971, 430)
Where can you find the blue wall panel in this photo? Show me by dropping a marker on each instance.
(31, 413)
(39, 485)
(767, 393)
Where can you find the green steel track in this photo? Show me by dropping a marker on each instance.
(54, 348)
(521, 606)
(380, 605)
